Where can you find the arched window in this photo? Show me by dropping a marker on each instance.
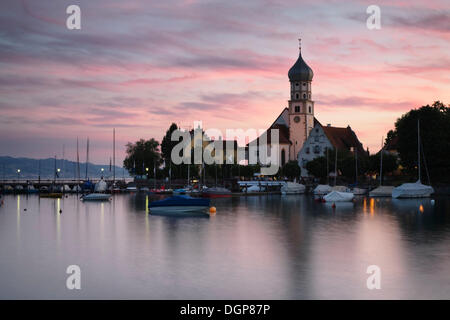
(304, 96)
(296, 96)
(283, 157)
(309, 109)
(316, 149)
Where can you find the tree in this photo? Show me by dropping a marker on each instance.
(434, 136)
(167, 144)
(390, 163)
(141, 155)
(291, 169)
(318, 167)
(389, 137)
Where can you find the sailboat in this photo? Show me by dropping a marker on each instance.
(338, 193)
(416, 189)
(381, 191)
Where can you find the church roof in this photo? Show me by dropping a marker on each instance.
(300, 71)
(343, 138)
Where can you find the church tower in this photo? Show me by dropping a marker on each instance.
(301, 107)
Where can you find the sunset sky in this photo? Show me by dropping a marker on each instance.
(140, 65)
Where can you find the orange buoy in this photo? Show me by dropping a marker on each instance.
(212, 210)
(333, 205)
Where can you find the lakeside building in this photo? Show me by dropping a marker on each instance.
(322, 138)
(296, 123)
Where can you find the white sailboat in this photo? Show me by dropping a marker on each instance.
(416, 189)
(293, 188)
(381, 191)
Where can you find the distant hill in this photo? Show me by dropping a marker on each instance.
(29, 169)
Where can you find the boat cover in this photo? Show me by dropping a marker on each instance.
(412, 190)
(180, 201)
(336, 196)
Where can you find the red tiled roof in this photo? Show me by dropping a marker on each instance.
(343, 138)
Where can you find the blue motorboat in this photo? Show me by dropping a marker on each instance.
(179, 205)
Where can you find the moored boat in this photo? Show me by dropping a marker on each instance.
(322, 189)
(216, 192)
(179, 205)
(412, 190)
(381, 191)
(337, 196)
(51, 195)
(96, 197)
(292, 188)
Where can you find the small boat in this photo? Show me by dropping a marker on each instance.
(216, 192)
(254, 189)
(292, 188)
(51, 195)
(31, 189)
(96, 197)
(43, 189)
(131, 189)
(412, 190)
(179, 205)
(66, 189)
(179, 191)
(381, 191)
(77, 188)
(417, 189)
(322, 189)
(359, 191)
(340, 188)
(337, 196)
(18, 188)
(101, 186)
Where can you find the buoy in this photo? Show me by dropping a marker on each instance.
(212, 210)
(25, 209)
(333, 205)
(60, 210)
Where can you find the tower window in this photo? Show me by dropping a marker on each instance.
(296, 84)
(309, 109)
(304, 84)
(296, 96)
(304, 96)
(297, 109)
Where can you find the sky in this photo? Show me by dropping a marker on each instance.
(138, 66)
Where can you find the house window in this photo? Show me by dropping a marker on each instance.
(316, 138)
(307, 150)
(317, 149)
(297, 109)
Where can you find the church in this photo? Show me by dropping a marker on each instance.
(296, 122)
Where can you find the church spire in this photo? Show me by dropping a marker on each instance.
(299, 45)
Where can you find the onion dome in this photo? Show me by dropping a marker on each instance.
(300, 71)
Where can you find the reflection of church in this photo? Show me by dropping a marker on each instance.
(296, 122)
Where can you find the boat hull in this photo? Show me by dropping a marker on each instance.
(179, 210)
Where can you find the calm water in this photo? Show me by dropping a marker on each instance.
(267, 247)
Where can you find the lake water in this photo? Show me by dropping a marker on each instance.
(260, 247)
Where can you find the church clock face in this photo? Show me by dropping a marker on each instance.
(297, 119)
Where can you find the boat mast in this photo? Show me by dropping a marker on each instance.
(114, 155)
(87, 157)
(381, 162)
(356, 167)
(189, 180)
(335, 168)
(78, 165)
(328, 172)
(418, 147)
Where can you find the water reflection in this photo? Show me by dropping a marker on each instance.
(260, 247)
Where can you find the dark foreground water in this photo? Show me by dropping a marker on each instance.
(263, 247)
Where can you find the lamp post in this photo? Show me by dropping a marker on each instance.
(18, 174)
(58, 172)
(102, 170)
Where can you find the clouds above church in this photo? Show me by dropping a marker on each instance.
(139, 65)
